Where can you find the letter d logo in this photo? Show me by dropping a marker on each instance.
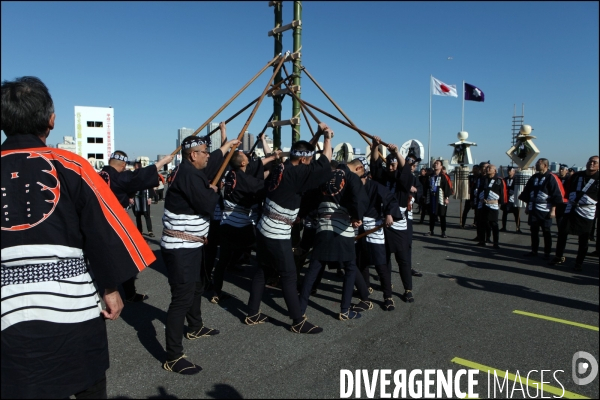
(583, 367)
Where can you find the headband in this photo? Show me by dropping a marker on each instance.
(365, 164)
(118, 157)
(391, 159)
(301, 153)
(195, 141)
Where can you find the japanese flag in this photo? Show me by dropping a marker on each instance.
(441, 89)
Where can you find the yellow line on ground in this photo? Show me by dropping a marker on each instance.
(547, 388)
(562, 321)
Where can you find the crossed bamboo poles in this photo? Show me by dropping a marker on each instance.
(304, 105)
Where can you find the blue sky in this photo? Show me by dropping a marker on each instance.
(163, 66)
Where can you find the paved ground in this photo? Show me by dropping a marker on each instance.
(464, 309)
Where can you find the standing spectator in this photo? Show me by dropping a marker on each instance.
(582, 192)
(159, 190)
(542, 193)
(511, 206)
(437, 191)
(61, 235)
(141, 206)
(469, 203)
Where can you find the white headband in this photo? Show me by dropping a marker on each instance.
(300, 153)
(118, 157)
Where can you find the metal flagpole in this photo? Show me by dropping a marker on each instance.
(462, 124)
(429, 144)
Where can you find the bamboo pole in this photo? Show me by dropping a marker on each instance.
(241, 135)
(261, 133)
(302, 108)
(365, 233)
(230, 100)
(346, 124)
(337, 107)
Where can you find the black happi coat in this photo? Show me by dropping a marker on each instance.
(125, 184)
(189, 204)
(582, 193)
(285, 186)
(436, 200)
(541, 192)
(342, 199)
(491, 190)
(63, 231)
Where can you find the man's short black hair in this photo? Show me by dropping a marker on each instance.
(236, 159)
(26, 106)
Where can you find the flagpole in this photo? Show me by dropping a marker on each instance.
(429, 144)
(462, 125)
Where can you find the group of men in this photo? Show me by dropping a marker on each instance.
(66, 236)
(571, 199)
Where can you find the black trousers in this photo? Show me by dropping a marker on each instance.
(317, 267)
(276, 254)
(212, 246)
(535, 237)
(385, 277)
(96, 391)
(403, 256)
(433, 218)
(563, 232)
(185, 305)
(129, 287)
(232, 248)
(487, 226)
(138, 220)
(514, 211)
(466, 210)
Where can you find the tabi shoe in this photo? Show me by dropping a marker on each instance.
(519, 230)
(481, 244)
(530, 254)
(408, 297)
(577, 267)
(150, 234)
(502, 230)
(430, 233)
(182, 366)
(476, 239)
(370, 290)
(349, 315)
(444, 236)
(202, 332)
(256, 319)
(488, 240)
(557, 260)
(305, 327)
(388, 305)
(496, 246)
(416, 273)
(137, 298)
(217, 298)
(362, 306)
(546, 256)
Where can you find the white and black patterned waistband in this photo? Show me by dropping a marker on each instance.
(33, 273)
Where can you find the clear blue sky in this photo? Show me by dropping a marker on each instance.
(163, 66)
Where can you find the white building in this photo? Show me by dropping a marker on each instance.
(68, 144)
(94, 132)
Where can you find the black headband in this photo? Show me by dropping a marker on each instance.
(118, 157)
(195, 141)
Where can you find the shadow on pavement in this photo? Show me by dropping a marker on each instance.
(140, 316)
(162, 394)
(520, 291)
(223, 391)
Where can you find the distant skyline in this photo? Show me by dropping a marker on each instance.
(166, 65)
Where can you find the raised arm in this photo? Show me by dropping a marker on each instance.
(223, 128)
(327, 136)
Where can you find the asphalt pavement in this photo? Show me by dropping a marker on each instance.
(474, 308)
